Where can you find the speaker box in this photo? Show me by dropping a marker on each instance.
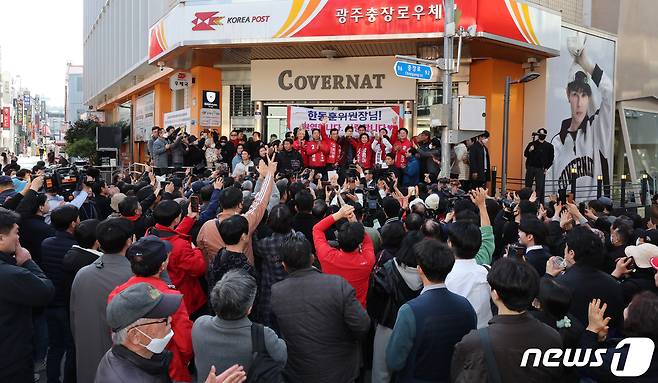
(108, 137)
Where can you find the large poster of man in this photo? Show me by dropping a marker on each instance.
(580, 118)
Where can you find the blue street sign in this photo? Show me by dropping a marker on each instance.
(415, 71)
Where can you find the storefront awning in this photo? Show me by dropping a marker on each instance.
(247, 24)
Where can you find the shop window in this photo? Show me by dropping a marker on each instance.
(241, 105)
(642, 128)
(430, 94)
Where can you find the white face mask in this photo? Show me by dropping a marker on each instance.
(157, 345)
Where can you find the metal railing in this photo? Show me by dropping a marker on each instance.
(623, 193)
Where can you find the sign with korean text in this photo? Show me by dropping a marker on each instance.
(144, 116)
(6, 117)
(363, 78)
(373, 119)
(180, 80)
(414, 71)
(178, 119)
(262, 21)
(210, 117)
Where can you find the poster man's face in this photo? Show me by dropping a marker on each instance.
(579, 102)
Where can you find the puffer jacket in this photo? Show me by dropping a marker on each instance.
(186, 264)
(390, 290)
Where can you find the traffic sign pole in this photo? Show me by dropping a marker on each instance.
(449, 33)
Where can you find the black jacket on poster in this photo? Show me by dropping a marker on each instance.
(21, 289)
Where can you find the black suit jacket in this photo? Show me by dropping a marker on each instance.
(478, 156)
(587, 283)
(537, 258)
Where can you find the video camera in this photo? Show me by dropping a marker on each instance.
(64, 180)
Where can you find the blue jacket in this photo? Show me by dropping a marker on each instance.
(425, 333)
(53, 250)
(411, 173)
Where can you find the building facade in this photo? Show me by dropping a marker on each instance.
(74, 105)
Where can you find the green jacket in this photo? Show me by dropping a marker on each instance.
(483, 257)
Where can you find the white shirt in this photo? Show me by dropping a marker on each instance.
(432, 287)
(469, 280)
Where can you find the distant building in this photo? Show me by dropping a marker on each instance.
(74, 103)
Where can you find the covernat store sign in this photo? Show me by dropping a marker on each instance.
(267, 21)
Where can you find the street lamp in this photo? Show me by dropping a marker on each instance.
(508, 83)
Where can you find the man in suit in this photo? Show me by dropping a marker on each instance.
(478, 159)
(584, 255)
(319, 318)
(514, 285)
(532, 235)
(428, 327)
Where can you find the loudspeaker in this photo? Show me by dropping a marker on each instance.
(108, 137)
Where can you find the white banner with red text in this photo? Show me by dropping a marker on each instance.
(373, 119)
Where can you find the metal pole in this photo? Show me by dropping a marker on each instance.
(448, 36)
(503, 183)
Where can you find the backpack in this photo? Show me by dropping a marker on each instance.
(263, 368)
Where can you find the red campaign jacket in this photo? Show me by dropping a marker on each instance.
(364, 156)
(300, 146)
(400, 148)
(181, 343)
(331, 151)
(186, 264)
(315, 155)
(355, 267)
(330, 148)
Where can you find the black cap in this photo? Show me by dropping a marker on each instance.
(149, 250)
(139, 301)
(542, 131)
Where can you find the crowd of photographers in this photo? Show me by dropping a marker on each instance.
(325, 257)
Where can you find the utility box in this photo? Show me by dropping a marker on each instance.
(469, 113)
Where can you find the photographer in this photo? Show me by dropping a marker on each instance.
(243, 167)
(176, 147)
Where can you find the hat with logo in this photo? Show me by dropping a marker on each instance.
(432, 201)
(116, 200)
(642, 254)
(148, 251)
(542, 131)
(651, 236)
(139, 301)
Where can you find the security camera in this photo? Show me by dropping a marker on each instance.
(472, 30)
(162, 69)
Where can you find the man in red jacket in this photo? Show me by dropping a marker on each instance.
(355, 257)
(401, 145)
(186, 264)
(148, 259)
(316, 159)
(330, 148)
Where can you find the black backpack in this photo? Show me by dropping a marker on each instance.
(263, 368)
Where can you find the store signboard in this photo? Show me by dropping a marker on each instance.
(373, 119)
(268, 21)
(582, 134)
(180, 80)
(144, 117)
(363, 78)
(210, 99)
(6, 117)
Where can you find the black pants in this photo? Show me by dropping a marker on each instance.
(22, 372)
(60, 343)
(537, 177)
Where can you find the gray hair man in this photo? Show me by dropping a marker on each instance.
(226, 338)
(140, 319)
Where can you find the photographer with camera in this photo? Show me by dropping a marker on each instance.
(244, 167)
(176, 147)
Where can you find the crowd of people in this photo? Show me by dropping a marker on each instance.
(325, 257)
